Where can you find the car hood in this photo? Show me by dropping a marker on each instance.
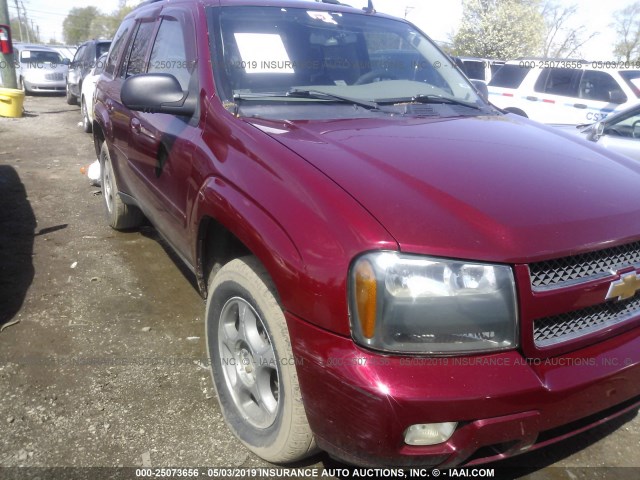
(494, 188)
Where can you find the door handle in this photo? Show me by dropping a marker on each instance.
(136, 126)
(580, 105)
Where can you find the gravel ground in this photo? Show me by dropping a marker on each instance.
(104, 368)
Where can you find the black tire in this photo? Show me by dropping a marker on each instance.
(71, 98)
(86, 123)
(279, 432)
(120, 216)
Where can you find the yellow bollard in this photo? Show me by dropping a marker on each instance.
(11, 101)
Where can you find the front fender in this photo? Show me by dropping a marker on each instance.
(250, 224)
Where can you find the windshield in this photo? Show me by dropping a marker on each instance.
(270, 53)
(36, 56)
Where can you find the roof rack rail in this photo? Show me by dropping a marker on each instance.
(147, 2)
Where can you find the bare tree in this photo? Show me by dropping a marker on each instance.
(562, 39)
(627, 25)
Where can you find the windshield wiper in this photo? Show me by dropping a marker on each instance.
(301, 93)
(320, 95)
(424, 98)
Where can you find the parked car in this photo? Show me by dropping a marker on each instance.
(564, 91)
(85, 59)
(395, 271)
(480, 68)
(88, 91)
(619, 132)
(40, 69)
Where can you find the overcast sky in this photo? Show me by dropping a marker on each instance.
(439, 19)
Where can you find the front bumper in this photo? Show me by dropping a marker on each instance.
(359, 403)
(44, 85)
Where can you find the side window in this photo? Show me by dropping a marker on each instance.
(169, 54)
(559, 81)
(138, 52)
(118, 45)
(509, 76)
(79, 54)
(600, 86)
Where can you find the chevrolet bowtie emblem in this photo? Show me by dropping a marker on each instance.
(624, 288)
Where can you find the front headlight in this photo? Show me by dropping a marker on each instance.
(422, 305)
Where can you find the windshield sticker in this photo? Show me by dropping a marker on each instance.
(323, 17)
(263, 53)
(26, 54)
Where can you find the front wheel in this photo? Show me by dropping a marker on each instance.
(71, 98)
(252, 364)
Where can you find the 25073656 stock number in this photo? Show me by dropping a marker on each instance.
(599, 64)
(170, 473)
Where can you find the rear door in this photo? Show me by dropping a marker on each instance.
(555, 98)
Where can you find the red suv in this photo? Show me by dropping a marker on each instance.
(395, 271)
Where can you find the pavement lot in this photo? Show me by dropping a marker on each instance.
(104, 368)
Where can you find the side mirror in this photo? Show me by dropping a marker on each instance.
(617, 96)
(596, 131)
(156, 93)
(6, 47)
(482, 89)
(66, 61)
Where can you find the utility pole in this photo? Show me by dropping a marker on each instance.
(19, 21)
(26, 21)
(7, 66)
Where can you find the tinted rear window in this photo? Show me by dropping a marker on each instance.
(509, 76)
(102, 48)
(474, 69)
(632, 77)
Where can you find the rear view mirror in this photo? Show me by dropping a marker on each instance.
(6, 48)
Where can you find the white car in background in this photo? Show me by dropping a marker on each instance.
(568, 92)
(40, 69)
(88, 91)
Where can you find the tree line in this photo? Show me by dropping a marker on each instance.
(503, 29)
(507, 29)
(85, 23)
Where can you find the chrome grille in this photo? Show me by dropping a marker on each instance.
(569, 326)
(54, 76)
(580, 268)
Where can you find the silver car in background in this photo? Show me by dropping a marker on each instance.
(40, 69)
(619, 133)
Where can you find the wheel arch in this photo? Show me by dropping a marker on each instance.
(229, 226)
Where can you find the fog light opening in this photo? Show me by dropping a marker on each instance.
(429, 433)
